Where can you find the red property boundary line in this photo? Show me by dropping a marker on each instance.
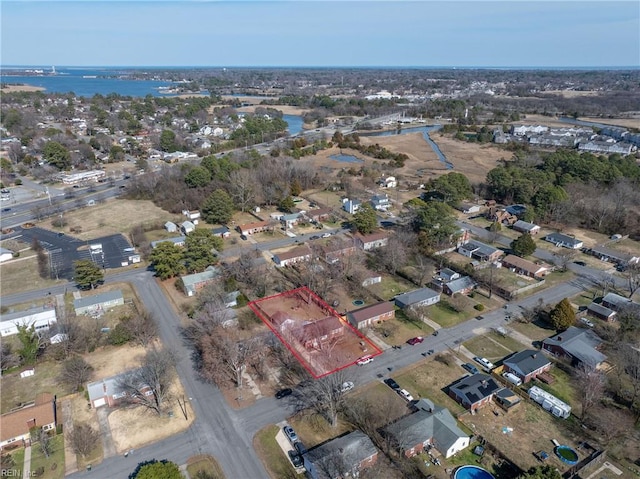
(255, 307)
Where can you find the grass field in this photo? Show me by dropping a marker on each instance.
(21, 275)
(17, 390)
(536, 331)
(18, 463)
(204, 463)
(446, 315)
(54, 464)
(390, 286)
(487, 347)
(271, 454)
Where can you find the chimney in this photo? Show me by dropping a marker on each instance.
(559, 338)
(104, 386)
(533, 355)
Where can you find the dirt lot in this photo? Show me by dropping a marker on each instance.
(112, 360)
(115, 216)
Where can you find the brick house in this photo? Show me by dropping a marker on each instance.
(474, 391)
(370, 315)
(108, 391)
(252, 228)
(296, 255)
(371, 241)
(479, 251)
(527, 364)
(316, 334)
(525, 267)
(577, 345)
(342, 457)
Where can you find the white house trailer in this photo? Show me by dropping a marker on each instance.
(40, 318)
(550, 403)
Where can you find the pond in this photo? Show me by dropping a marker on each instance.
(346, 158)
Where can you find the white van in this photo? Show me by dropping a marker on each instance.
(512, 378)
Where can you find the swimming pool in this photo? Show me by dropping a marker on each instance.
(567, 454)
(472, 472)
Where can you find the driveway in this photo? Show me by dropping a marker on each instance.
(108, 446)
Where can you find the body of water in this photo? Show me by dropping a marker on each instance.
(295, 123)
(346, 158)
(425, 130)
(592, 124)
(88, 82)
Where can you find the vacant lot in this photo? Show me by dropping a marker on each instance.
(17, 391)
(21, 274)
(487, 347)
(390, 286)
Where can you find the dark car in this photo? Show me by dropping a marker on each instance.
(284, 393)
(243, 237)
(300, 448)
(391, 383)
(314, 237)
(435, 333)
(296, 459)
(471, 368)
(6, 209)
(580, 263)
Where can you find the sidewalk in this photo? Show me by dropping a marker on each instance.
(26, 471)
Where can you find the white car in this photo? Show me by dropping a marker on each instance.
(326, 235)
(485, 362)
(346, 386)
(587, 322)
(364, 360)
(405, 394)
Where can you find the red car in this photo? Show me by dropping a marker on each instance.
(416, 340)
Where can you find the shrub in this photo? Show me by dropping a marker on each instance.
(479, 307)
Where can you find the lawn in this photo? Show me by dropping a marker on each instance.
(506, 341)
(314, 430)
(204, 463)
(446, 315)
(536, 331)
(271, 454)
(390, 286)
(17, 276)
(17, 390)
(53, 466)
(397, 331)
(563, 388)
(486, 346)
(18, 463)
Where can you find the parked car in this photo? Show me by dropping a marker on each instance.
(391, 383)
(512, 378)
(326, 235)
(291, 434)
(243, 237)
(580, 263)
(296, 459)
(346, 386)
(284, 393)
(300, 449)
(479, 317)
(485, 362)
(405, 394)
(416, 340)
(364, 360)
(314, 237)
(587, 322)
(471, 368)
(435, 333)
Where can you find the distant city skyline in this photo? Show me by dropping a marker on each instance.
(298, 33)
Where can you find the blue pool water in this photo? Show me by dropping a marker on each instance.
(346, 158)
(472, 472)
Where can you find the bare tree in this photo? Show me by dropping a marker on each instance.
(632, 275)
(44, 440)
(242, 188)
(84, 439)
(8, 359)
(322, 396)
(149, 385)
(141, 327)
(591, 384)
(611, 423)
(564, 257)
(76, 372)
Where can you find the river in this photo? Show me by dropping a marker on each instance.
(295, 123)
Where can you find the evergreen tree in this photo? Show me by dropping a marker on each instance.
(167, 260)
(541, 472)
(436, 225)
(287, 204)
(30, 343)
(365, 219)
(199, 250)
(562, 315)
(157, 470)
(199, 176)
(524, 245)
(57, 155)
(87, 273)
(217, 208)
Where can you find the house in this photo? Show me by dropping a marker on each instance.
(193, 216)
(316, 334)
(417, 298)
(192, 283)
(447, 275)
(371, 241)
(616, 302)
(370, 315)
(601, 312)
(341, 457)
(430, 426)
(501, 216)
(525, 227)
(99, 303)
(187, 227)
(5, 254)
(295, 255)
(41, 319)
(474, 391)
(388, 182)
(565, 241)
(613, 256)
(380, 202)
(178, 241)
(350, 206)
(468, 208)
(171, 227)
(290, 220)
(16, 426)
(222, 232)
(318, 215)
(337, 249)
(108, 392)
(525, 267)
(479, 251)
(577, 345)
(527, 364)
(252, 228)
(462, 285)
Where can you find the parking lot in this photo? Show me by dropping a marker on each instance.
(64, 249)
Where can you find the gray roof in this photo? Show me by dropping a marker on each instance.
(219, 231)
(190, 280)
(478, 248)
(413, 297)
(527, 361)
(5, 250)
(436, 422)
(561, 238)
(22, 314)
(88, 301)
(601, 310)
(617, 300)
(176, 240)
(579, 343)
(474, 388)
(614, 254)
(341, 455)
(460, 284)
(524, 225)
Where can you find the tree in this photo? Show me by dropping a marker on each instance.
(286, 204)
(57, 155)
(322, 396)
(524, 245)
(591, 384)
(453, 187)
(8, 359)
(198, 177)
(199, 250)
(217, 208)
(541, 472)
(83, 439)
(562, 315)
(42, 437)
(436, 226)
(149, 386)
(76, 372)
(365, 219)
(167, 260)
(296, 187)
(87, 273)
(168, 142)
(43, 259)
(31, 343)
(157, 470)
(140, 327)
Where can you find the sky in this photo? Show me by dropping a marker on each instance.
(398, 33)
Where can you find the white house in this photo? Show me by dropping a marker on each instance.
(351, 206)
(192, 216)
(41, 318)
(187, 227)
(380, 202)
(388, 182)
(560, 239)
(98, 303)
(171, 227)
